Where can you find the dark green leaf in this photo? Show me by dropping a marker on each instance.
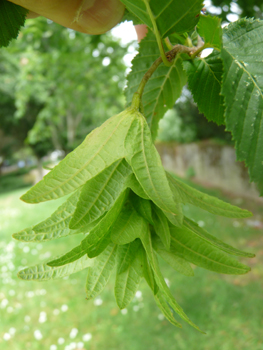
(242, 89)
(163, 88)
(209, 28)
(12, 17)
(170, 16)
(204, 78)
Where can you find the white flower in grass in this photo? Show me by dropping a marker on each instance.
(56, 312)
(61, 341)
(64, 308)
(73, 333)
(80, 345)
(38, 335)
(53, 347)
(161, 317)
(98, 301)
(87, 337)
(7, 336)
(12, 331)
(138, 294)
(42, 317)
(124, 311)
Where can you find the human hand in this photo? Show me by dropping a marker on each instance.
(86, 16)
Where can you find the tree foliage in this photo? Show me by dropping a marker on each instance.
(127, 207)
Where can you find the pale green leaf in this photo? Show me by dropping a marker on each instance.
(143, 207)
(198, 251)
(209, 28)
(163, 88)
(164, 307)
(242, 89)
(99, 194)
(147, 243)
(214, 241)
(56, 226)
(202, 200)
(161, 227)
(204, 81)
(128, 226)
(12, 17)
(125, 255)
(147, 167)
(127, 282)
(99, 236)
(178, 263)
(170, 16)
(43, 272)
(99, 275)
(102, 147)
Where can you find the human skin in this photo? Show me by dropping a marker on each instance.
(86, 16)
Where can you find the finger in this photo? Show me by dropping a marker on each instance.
(87, 16)
(141, 30)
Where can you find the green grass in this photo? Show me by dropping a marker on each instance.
(228, 308)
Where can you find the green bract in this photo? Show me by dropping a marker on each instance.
(130, 211)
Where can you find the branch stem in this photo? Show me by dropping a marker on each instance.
(170, 55)
(157, 33)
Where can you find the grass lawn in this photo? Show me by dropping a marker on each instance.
(55, 315)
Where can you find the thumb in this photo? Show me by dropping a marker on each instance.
(87, 16)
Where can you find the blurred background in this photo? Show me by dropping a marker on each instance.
(56, 85)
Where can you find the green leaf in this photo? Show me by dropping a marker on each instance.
(134, 185)
(242, 90)
(69, 257)
(147, 243)
(148, 272)
(170, 16)
(12, 17)
(128, 226)
(202, 200)
(204, 80)
(209, 28)
(142, 206)
(213, 240)
(99, 275)
(56, 226)
(179, 264)
(99, 237)
(162, 89)
(147, 167)
(127, 282)
(161, 226)
(164, 307)
(102, 147)
(99, 194)
(198, 251)
(43, 272)
(125, 255)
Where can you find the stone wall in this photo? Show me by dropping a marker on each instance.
(211, 164)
